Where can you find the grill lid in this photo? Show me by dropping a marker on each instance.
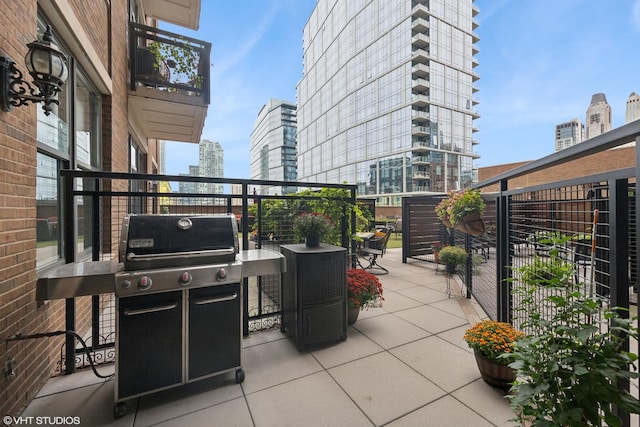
(155, 241)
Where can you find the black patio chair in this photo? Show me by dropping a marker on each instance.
(372, 249)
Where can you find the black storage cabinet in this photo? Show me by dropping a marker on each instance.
(314, 294)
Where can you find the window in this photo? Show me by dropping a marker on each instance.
(69, 138)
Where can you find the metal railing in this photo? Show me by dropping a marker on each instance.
(95, 203)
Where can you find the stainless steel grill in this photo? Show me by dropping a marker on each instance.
(178, 292)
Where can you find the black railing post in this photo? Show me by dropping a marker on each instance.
(69, 256)
(502, 255)
(468, 274)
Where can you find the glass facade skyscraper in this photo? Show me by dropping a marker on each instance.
(273, 145)
(386, 99)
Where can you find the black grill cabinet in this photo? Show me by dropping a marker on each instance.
(314, 294)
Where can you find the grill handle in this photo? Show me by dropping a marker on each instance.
(176, 255)
(205, 301)
(128, 312)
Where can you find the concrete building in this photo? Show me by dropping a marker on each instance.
(106, 120)
(210, 164)
(568, 134)
(387, 96)
(598, 116)
(632, 112)
(273, 145)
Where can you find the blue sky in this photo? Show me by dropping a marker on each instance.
(540, 63)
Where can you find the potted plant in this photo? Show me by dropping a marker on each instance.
(575, 344)
(491, 341)
(311, 226)
(463, 210)
(452, 257)
(364, 291)
(435, 248)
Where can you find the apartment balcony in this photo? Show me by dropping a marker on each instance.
(474, 88)
(475, 77)
(420, 11)
(474, 25)
(185, 13)
(475, 114)
(419, 70)
(420, 145)
(475, 37)
(420, 188)
(420, 56)
(474, 10)
(169, 84)
(420, 131)
(420, 25)
(420, 40)
(475, 101)
(474, 128)
(475, 142)
(419, 116)
(419, 101)
(420, 160)
(474, 62)
(420, 175)
(420, 85)
(474, 49)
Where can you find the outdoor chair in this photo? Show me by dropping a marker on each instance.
(373, 248)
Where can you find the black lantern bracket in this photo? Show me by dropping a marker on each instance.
(48, 68)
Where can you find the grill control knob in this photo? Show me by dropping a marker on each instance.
(185, 278)
(144, 283)
(221, 274)
(126, 284)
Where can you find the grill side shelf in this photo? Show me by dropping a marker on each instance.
(78, 279)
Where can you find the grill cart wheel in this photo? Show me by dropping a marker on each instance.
(239, 376)
(119, 410)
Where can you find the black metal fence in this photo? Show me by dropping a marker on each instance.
(96, 202)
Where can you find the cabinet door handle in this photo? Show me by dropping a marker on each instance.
(129, 312)
(216, 299)
(308, 324)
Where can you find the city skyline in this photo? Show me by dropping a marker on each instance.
(523, 92)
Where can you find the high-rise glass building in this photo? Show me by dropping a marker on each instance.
(387, 96)
(568, 134)
(632, 113)
(598, 116)
(273, 145)
(210, 164)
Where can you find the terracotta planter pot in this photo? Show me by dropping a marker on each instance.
(495, 374)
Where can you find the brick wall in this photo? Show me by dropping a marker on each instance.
(36, 359)
(617, 158)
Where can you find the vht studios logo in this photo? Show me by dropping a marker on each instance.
(40, 421)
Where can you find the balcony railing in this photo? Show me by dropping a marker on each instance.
(169, 62)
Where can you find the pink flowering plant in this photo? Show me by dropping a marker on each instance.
(459, 204)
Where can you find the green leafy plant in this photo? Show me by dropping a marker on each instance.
(573, 356)
(492, 339)
(182, 58)
(364, 289)
(311, 223)
(453, 255)
(547, 272)
(459, 204)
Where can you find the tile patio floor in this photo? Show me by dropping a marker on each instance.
(404, 364)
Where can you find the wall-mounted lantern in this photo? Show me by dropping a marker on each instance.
(48, 68)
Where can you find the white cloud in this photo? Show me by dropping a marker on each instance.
(245, 49)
